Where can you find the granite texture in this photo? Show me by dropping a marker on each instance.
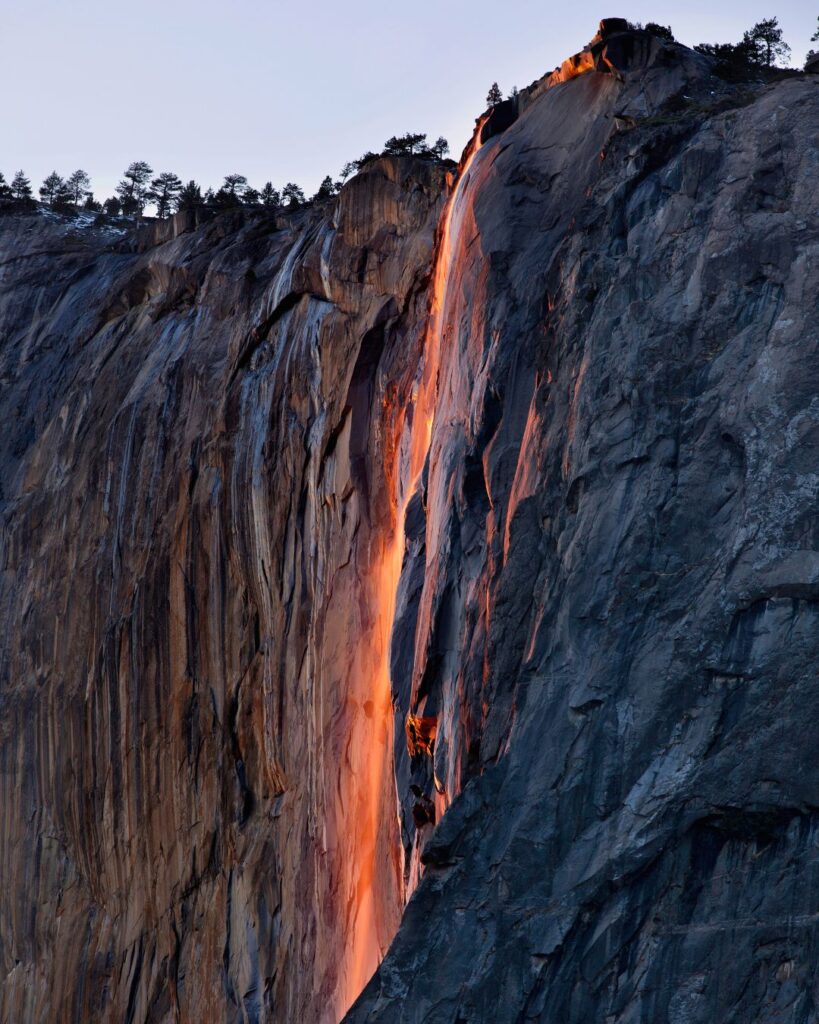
(432, 572)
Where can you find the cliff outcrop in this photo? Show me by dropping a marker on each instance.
(426, 578)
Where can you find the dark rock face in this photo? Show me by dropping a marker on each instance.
(620, 627)
(341, 570)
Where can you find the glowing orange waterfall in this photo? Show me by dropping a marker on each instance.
(378, 846)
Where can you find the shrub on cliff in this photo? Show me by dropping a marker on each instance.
(663, 31)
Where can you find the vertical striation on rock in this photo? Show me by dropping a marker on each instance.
(452, 543)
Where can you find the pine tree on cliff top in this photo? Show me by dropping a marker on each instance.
(163, 192)
(269, 196)
(494, 96)
(133, 189)
(190, 196)
(21, 186)
(78, 184)
(234, 185)
(765, 43)
(54, 191)
(292, 195)
(326, 189)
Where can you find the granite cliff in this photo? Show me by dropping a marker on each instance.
(428, 578)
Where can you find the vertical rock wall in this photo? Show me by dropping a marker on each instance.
(199, 811)
(341, 567)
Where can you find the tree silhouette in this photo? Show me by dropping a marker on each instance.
(349, 168)
(494, 96)
(189, 197)
(366, 158)
(163, 192)
(292, 195)
(765, 43)
(251, 197)
(91, 203)
(759, 49)
(402, 145)
(133, 189)
(440, 147)
(5, 190)
(326, 189)
(270, 196)
(112, 206)
(54, 191)
(663, 31)
(814, 38)
(78, 184)
(21, 188)
(234, 185)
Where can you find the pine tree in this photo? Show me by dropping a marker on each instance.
(5, 190)
(251, 197)
(189, 197)
(326, 189)
(513, 95)
(77, 185)
(21, 188)
(112, 206)
(811, 52)
(401, 145)
(494, 96)
(440, 147)
(225, 200)
(91, 204)
(234, 185)
(765, 43)
(349, 168)
(163, 192)
(133, 189)
(292, 195)
(54, 191)
(270, 196)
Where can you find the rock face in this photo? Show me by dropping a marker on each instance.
(434, 569)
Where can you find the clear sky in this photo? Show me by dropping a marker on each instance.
(290, 91)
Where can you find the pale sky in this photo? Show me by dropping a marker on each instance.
(289, 91)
